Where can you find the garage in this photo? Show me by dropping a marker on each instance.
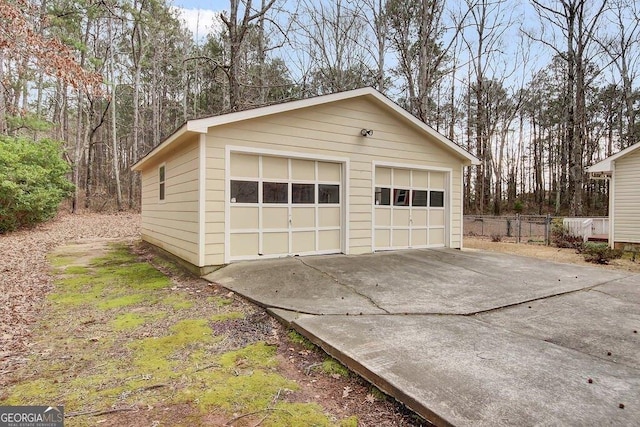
(410, 207)
(283, 206)
(347, 173)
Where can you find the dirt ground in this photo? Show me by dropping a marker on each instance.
(75, 353)
(566, 256)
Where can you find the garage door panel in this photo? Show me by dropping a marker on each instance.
(400, 238)
(418, 237)
(246, 244)
(275, 217)
(243, 217)
(437, 179)
(303, 217)
(383, 176)
(383, 217)
(329, 172)
(382, 238)
(275, 167)
(419, 179)
(329, 217)
(419, 217)
(436, 218)
(244, 165)
(401, 178)
(400, 217)
(304, 170)
(275, 243)
(303, 242)
(436, 236)
(329, 240)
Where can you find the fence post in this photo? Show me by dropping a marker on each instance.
(519, 225)
(547, 230)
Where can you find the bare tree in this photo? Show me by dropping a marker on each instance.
(577, 23)
(237, 24)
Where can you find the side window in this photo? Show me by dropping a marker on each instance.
(161, 180)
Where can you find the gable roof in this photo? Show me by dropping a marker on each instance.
(605, 167)
(201, 126)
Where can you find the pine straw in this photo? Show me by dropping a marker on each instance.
(25, 277)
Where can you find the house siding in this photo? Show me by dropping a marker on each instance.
(627, 199)
(329, 130)
(172, 224)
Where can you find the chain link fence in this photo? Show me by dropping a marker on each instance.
(515, 228)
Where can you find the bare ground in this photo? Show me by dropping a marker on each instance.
(551, 253)
(26, 279)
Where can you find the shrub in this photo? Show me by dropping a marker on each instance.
(32, 181)
(496, 237)
(600, 253)
(561, 238)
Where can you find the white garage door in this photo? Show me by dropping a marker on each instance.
(280, 206)
(409, 209)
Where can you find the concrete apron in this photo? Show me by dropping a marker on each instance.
(467, 338)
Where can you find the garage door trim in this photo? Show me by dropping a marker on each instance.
(448, 186)
(344, 203)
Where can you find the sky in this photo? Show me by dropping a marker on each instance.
(199, 15)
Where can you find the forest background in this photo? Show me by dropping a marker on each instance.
(538, 90)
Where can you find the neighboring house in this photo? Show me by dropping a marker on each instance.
(350, 172)
(623, 172)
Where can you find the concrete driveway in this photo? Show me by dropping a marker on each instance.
(467, 338)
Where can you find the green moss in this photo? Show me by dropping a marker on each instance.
(178, 302)
(32, 392)
(122, 301)
(118, 255)
(219, 301)
(221, 317)
(352, 421)
(76, 269)
(60, 260)
(299, 339)
(331, 366)
(241, 393)
(258, 355)
(151, 354)
(127, 321)
(375, 392)
(297, 415)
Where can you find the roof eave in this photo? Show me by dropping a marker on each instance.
(182, 131)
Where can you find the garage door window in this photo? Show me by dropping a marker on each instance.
(328, 194)
(436, 199)
(275, 192)
(244, 192)
(383, 196)
(303, 193)
(419, 198)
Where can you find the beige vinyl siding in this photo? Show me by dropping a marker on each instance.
(627, 198)
(172, 224)
(329, 130)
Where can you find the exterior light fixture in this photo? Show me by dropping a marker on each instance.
(366, 132)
